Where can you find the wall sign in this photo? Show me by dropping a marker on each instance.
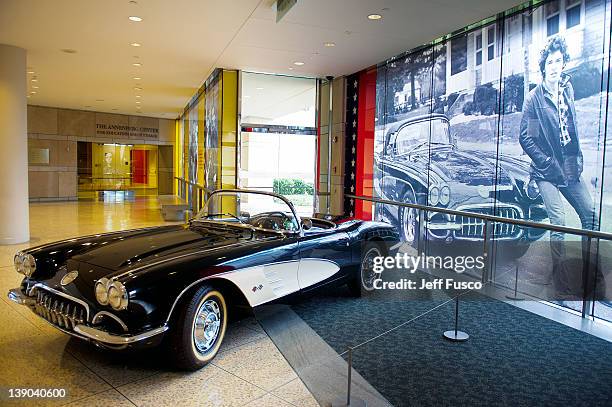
(37, 156)
(126, 131)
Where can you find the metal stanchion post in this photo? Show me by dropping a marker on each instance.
(515, 296)
(350, 401)
(456, 335)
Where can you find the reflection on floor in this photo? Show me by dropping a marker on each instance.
(248, 371)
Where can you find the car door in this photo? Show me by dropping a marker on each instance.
(324, 257)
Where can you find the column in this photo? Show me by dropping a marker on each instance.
(14, 209)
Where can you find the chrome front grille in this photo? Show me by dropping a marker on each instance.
(473, 228)
(60, 311)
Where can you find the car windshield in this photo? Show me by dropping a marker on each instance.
(420, 134)
(259, 209)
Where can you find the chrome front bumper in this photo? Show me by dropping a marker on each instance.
(87, 332)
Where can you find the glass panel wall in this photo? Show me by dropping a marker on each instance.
(278, 137)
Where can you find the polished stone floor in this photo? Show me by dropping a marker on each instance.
(249, 370)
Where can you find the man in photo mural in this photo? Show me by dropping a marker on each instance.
(549, 136)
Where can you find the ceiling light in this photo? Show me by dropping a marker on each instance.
(137, 96)
(298, 63)
(136, 19)
(137, 64)
(259, 88)
(34, 80)
(30, 71)
(291, 68)
(138, 102)
(330, 44)
(69, 51)
(34, 87)
(33, 92)
(374, 17)
(137, 78)
(137, 88)
(135, 44)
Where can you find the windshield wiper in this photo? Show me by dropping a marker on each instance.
(209, 215)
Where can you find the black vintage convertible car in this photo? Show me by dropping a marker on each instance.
(421, 163)
(176, 285)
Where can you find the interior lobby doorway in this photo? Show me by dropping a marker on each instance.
(112, 171)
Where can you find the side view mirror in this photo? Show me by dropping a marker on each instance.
(306, 224)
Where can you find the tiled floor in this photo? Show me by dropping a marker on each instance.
(249, 370)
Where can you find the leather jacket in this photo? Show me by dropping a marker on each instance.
(540, 138)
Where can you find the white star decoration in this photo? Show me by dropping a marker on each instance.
(352, 188)
(353, 163)
(353, 150)
(354, 110)
(355, 83)
(354, 123)
(355, 96)
(354, 136)
(351, 213)
(352, 175)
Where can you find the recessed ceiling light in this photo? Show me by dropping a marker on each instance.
(330, 44)
(34, 80)
(31, 72)
(135, 18)
(374, 17)
(137, 64)
(69, 51)
(259, 88)
(135, 44)
(137, 88)
(137, 78)
(291, 68)
(34, 87)
(298, 63)
(33, 92)
(138, 96)
(138, 102)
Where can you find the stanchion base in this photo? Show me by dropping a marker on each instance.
(459, 337)
(514, 297)
(355, 402)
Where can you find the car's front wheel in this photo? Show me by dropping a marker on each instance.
(409, 221)
(200, 328)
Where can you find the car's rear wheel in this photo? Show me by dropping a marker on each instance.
(365, 280)
(200, 329)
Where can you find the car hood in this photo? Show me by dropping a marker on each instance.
(157, 245)
(451, 165)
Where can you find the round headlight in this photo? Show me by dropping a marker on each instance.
(18, 260)
(434, 196)
(117, 296)
(101, 290)
(29, 265)
(445, 195)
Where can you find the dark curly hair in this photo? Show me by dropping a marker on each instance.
(554, 44)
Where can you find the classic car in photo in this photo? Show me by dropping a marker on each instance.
(176, 285)
(421, 163)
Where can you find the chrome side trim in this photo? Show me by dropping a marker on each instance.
(101, 314)
(61, 294)
(110, 339)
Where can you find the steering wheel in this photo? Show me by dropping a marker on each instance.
(266, 220)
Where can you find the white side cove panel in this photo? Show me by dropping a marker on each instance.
(261, 284)
(312, 271)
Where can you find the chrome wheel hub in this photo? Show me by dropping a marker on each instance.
(206, 325)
